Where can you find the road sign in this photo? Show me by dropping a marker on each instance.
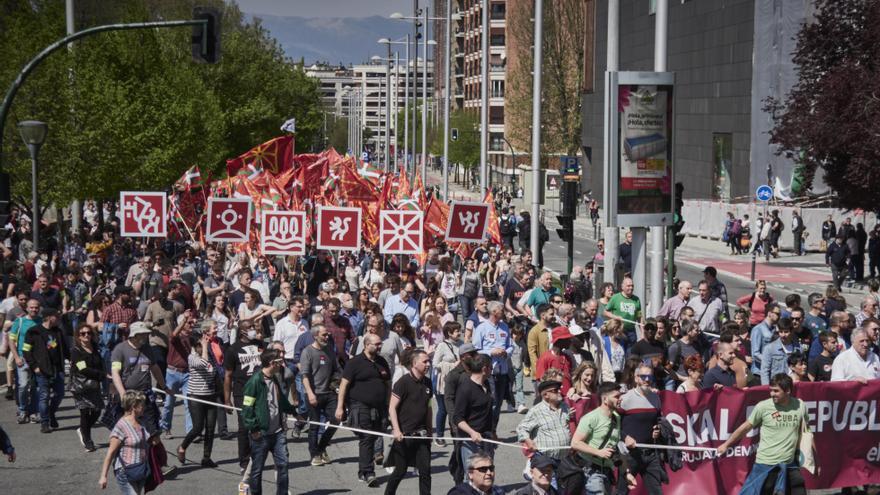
(400, 231)
(339, 228)
(553, 181)
(569, 165)
(144, 214)
(764, 193)
(283, 232)
(229, 219)
(467, 221)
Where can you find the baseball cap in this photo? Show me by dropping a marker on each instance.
(466, 348)
(138, 328)
(575, 330)
(560, 333)
(548, 385)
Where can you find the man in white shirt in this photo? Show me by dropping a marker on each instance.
(707, 309)
(858, 362)
(290, 328)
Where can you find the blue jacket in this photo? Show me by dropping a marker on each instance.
(761, 336)
(774, 360)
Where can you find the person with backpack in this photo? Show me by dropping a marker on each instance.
(507, 228)
(756, 302)
(736, 237)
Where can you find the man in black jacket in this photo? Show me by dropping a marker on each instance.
(453, 379)
(836, 258)
(44, 353)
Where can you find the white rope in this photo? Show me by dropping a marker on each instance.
(433, 438)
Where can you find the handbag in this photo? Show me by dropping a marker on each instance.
(138, 471)
(82, 384)
(806, 447)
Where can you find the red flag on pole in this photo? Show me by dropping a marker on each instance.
(273, 156)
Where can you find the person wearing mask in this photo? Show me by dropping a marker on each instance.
(640, 415)
(240, 362)
(132, 367)
(201, 386)
(779, 418)
(403, 303)
(481, 478)
(594, 440)
(364, 387)
(44, 351)
(492, 338)
(774, 356)
(762, 333)
(263, 409)
(87, 372)
(128, 445)
(858, 363)
(409, 412)
(321, 371)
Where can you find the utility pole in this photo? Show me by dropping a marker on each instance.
(657, 289)
(387, 108)
(425, 97)
(536, 121)
(446, 94)
(484, 105)
(75, 208)
(612, 234)
(406, 148)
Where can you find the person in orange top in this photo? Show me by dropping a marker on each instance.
(556, 358)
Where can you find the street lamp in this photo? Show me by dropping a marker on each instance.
(406, 149)
(33, 133)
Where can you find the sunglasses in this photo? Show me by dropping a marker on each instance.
(647, 378)
(484, 469)
(85, 334)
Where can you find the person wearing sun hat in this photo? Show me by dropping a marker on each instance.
(556, 358)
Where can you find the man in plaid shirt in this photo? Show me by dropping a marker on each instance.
(546, 423)
(115, 320)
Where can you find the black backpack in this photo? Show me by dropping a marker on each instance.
(505, 227)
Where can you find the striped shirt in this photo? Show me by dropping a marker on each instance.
(546, 427)
(201, 376)
(133, 438)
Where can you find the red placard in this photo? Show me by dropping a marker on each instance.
(283, 232)
(229, 219)
(400, 231)
(339, 228)
(467, 221)
(143, 214)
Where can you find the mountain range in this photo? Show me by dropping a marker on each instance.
(336, 40)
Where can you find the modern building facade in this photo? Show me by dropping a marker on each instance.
(728, 57)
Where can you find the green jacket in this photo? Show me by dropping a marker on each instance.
(255, 407)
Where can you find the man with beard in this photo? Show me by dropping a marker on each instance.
(640, 411)
(722, 375)
(410, 414)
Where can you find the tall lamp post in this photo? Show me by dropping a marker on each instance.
(33, 133)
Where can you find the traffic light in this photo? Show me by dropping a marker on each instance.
(454, 134)
(565, 227)
(677, 219)
(569, 198)
(5, 199)
(206, 37)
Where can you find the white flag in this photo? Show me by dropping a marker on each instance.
(289, 126)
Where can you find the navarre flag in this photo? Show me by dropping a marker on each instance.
(274, 156)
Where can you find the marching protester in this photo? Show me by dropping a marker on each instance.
(87, 373)
(409, 412)
(321, 372)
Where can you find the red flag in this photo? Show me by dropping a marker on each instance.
(436, 216)
(274, 156)
(352, 186)
(494, 229)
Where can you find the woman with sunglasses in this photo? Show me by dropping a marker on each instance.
(374, 275)
(87, 372)
(202, 387)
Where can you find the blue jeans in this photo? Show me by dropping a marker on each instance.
(50, 391)
(179, 383)
(303, 408)
(518, 396)
(260, 448)
(27, 390)
(469, 448)
(440, 417)
(128, 487)
(465, 306)
(502, 390)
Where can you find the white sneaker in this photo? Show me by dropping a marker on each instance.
(80, 435)
(522, 409)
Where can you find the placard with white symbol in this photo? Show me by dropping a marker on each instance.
(339, 228)
(143, 214)
(400, 231)
(229, 219)
(283, 232)
(467, 221)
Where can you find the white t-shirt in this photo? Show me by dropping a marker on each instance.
(848, 365)
(289, 332)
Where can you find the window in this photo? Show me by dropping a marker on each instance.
(497, 89)
(498, 11)
(652, 7)
(496, 40)
(722, 160)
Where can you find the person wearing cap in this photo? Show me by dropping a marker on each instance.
(541, 470)
(555, 357)
(132, 367)
(546, 423)
(716, 288)
(44, 351)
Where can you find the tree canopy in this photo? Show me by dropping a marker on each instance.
(829, 120)
(131, 110)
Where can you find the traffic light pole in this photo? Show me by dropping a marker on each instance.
(34, 62)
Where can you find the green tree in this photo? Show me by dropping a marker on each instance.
(131, 110)
(466, 149)
(338, 133)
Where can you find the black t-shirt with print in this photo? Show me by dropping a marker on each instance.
(243, 359)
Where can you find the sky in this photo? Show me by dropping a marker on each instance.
(328, 8)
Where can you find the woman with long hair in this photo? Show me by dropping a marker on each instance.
(434, 319)
(605, 293)
(446, 357)
(833, 300)
(362, 299)
(250, 310)
(224, 319)
(614, 338)
(87, 373)
(374, 275)
(128, 450)
(96, 310)
(202, 386)
(401, 337)
(582, 397)
(352, 275)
